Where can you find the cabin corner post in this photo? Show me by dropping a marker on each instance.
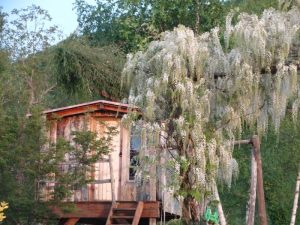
(152, 181)
(112, 179)
(153, 178)
(260, 186)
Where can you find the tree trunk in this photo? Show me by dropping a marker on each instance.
(295, 206)
(260, 184)
(252, 196)
(190, 207)
(220, 209)
(186, 215)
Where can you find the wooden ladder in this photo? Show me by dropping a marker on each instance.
(122, 213)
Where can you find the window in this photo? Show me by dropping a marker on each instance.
(135, 146)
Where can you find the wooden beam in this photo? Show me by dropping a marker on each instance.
(242, 142)
(152, 182)
(138, 213)
(106, 114)
(296, 197)
(260, 186)
(250, 214)
(100, 209)
(101, 109)
(112, 178)
(71, 221)
(108, 221)
(104, 181)
(219, 206)
(71, 112)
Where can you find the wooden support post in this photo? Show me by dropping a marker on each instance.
(250, 214)
(260, 184)
(92, 185)
(112, 178)
(152, 182)
(138, 213)
(71, 221)
(296, 198)
(220, 208)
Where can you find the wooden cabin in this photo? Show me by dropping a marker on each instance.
(113, 197)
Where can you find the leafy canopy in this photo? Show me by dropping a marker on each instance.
(132, 24)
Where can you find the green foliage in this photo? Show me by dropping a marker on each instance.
(253, 6)
(175, 222)
(24, 167)
(20, 145)
(24, 38)
(134, 23)
(87, 72)
(280, 158)
(26, 86)
(2, 20)
(234, 200)
(29, 33)
(85, 149)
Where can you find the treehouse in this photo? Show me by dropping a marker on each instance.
(114, 196)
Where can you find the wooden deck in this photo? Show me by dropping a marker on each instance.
(101, 209)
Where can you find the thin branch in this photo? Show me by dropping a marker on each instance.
(241, 142)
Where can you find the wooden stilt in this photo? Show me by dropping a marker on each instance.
(71, 221)
(220, 208)
(296, 198)
(255, 185)
(112, 178)
(152, 221)
(250, 215)
(260, 184)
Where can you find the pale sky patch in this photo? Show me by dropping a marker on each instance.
(61, 11)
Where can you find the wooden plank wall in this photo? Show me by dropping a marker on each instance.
(45, 190)
(102, 170)
(63, 128)
(125, 189)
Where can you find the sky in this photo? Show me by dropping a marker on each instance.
(61, 11)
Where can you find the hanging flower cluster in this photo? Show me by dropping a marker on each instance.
(204, 93)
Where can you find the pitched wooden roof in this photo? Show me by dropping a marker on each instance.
(94, 106)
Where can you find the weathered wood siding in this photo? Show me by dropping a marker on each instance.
(124, 190)
(102, 170)
(65, 127)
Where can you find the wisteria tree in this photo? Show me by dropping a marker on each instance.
(202, 94)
